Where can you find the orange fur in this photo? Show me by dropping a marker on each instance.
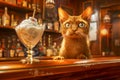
(75, 31)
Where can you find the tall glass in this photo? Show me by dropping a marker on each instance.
(29, 33)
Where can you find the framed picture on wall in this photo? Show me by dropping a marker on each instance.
(87, 3)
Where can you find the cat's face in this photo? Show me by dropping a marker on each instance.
(74, 26)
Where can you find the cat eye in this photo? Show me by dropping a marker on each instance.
(81, 24)
(67, 25)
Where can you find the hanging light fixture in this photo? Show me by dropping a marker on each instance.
(50, 3)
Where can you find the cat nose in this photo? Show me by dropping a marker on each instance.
(74, 27)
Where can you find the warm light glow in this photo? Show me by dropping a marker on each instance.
(50, 3)
(104, 32)
(5, 67)
(107, 18)
(119, 15)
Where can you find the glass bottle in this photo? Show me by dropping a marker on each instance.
(24, 3)
(9, 41)
(12, 20)
(3, 46)
(50, 26)
(56, 26)
(55, 51)
(49, 48)
(19, 51)
(26, 16)
(34, 4)
(5, 18)
(8, 50)
(12, 51)
(44, 44)
(13, 47)
(29, 4)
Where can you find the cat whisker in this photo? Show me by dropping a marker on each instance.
(59, 38)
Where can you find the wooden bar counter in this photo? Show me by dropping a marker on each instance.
(104, 68)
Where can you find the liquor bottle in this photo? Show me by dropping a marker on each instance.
(5, 18)
(38, 5)
(13, 47)
(39, 21)
(3, 46)
(24, 3)
(29, 4)
(40, 47)
(12, 50)
(12, 20)
(44, 45)
(55, 50)
(7, 50)
(49, 48)
(56, 26)
(9, 41)
(34, 4)
(50, 26)
(26, 16)
(19, 51)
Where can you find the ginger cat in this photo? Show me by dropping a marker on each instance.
(75, 29)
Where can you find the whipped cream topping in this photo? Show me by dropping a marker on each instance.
(29, 22)
(30, 32)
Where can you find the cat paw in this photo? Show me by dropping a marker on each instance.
(58, 58)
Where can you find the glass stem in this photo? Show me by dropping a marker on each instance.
(29, 56)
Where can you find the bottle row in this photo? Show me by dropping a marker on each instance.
(11, 47)
(55, 26)
(5, 19)
(32, 4)
(12, 20)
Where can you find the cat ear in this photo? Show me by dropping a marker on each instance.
(63, 15)
(87, 13)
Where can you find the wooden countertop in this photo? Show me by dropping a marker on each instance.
(49, 68)
(47, 63)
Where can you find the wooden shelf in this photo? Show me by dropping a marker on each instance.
(52, 31)
(46, 31)
(6, 27)
(14, 7)
(11, 59)
(6, 31)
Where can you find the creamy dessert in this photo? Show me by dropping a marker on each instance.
(29, 32)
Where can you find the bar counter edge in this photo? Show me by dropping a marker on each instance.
(103, 68)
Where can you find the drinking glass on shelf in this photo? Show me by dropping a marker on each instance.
(29, 33)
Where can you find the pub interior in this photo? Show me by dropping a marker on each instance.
(37, 63)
